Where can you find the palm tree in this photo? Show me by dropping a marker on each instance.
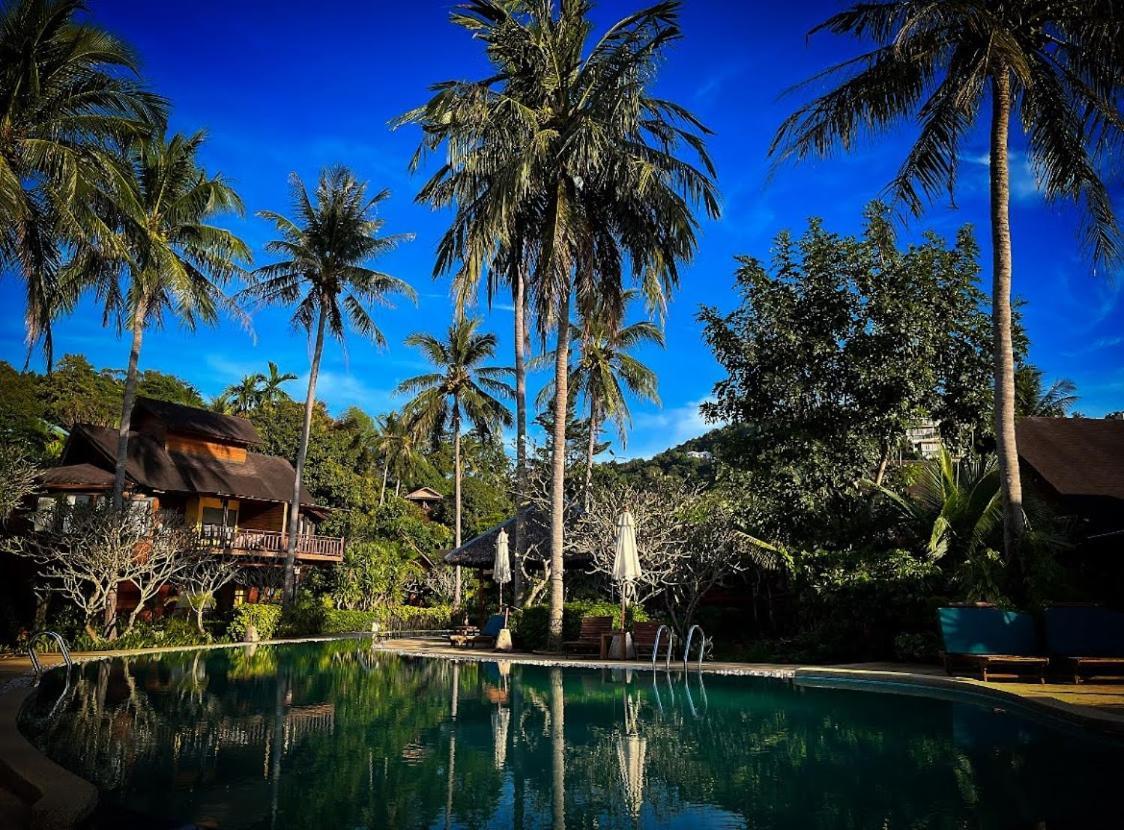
(175, 262)
(1032, 400)
(603, 372)
(222, 404)
(271, 391)
(324, 271)
(562, 158)
(246, 395)
(1055, 64)
(68, 96)
(462, 388)
(398, 446)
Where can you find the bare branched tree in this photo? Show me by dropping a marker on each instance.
(84, 552)
(689, 541)
(17, 479)
(201, 581)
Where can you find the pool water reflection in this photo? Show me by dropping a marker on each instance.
(337, 735)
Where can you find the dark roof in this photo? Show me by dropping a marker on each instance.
(76, 475)
(191, 420)
(480, 552)
(260, 477)
(1075, 456)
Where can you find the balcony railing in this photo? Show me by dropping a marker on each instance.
(271, 543)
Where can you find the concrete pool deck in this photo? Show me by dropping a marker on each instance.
(37, 793)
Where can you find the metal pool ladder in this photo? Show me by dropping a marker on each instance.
(702, 645)
(54, 635)
(656, 646)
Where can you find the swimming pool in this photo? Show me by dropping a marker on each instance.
(338, 735)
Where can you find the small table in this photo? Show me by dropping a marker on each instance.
(617, 645)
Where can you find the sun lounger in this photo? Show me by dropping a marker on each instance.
(1085, 641)
(985, 639)
(486, 637)
(589, 639)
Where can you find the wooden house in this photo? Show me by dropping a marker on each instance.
(201, 465)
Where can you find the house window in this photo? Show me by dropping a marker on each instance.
(239, 596)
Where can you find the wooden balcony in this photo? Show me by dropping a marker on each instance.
(272, 544)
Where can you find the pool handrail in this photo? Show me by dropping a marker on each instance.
(656, 646)
(58, 638)
(702, 646)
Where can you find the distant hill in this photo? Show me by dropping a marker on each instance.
(692, 460)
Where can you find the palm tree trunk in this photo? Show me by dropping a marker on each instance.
(302, 454)
(591, 450)
(520, 432)
(557, 748)
(385, 473)
(457, 495)
(1005, 445)
(130, 398)
(109, 623)
(558, 475)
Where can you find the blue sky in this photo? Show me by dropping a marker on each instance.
(284, 87)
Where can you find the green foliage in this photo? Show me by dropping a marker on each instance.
(530, 626)
(373, 574)
(853, 603)
(265, 618)
(838, 346)
(400, 618)
(168, 633)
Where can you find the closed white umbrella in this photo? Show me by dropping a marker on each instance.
(501, 568)
(626, 562)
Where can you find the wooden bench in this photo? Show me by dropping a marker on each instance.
(983, 663)
(1082, 668)
(589, 638)
(644, 638)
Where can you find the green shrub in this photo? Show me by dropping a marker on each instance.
(304, 616)
(530, 627)
(165, 633)
(400, 618)
(265, 618)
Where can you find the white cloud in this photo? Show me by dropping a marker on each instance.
(339, 390)
(1024, 184)
(654, 432)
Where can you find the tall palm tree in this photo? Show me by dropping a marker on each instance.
(176, 263)
(324, 271)
(246, 395)
(562, 157)
(461, 389)
(271, 391)
(1054, 64)
(392, 433)
(1031, 399)
(68, 95)
(604, 370)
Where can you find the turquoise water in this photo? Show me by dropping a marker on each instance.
(335, 735)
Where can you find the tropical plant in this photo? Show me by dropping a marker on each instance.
(604, 371)
(461, 389)
(323, 271)
(1056, 64)
(399, 447)
(68, 95)
(1032, 400)
(956, 505)
(246, 395)
(271, 384)
(561, 160)
(175, 262)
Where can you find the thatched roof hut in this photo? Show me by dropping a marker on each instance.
(480, 552)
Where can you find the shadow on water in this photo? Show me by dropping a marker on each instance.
(337, 735)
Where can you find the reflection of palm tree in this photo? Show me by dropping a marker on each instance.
(558, 747)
